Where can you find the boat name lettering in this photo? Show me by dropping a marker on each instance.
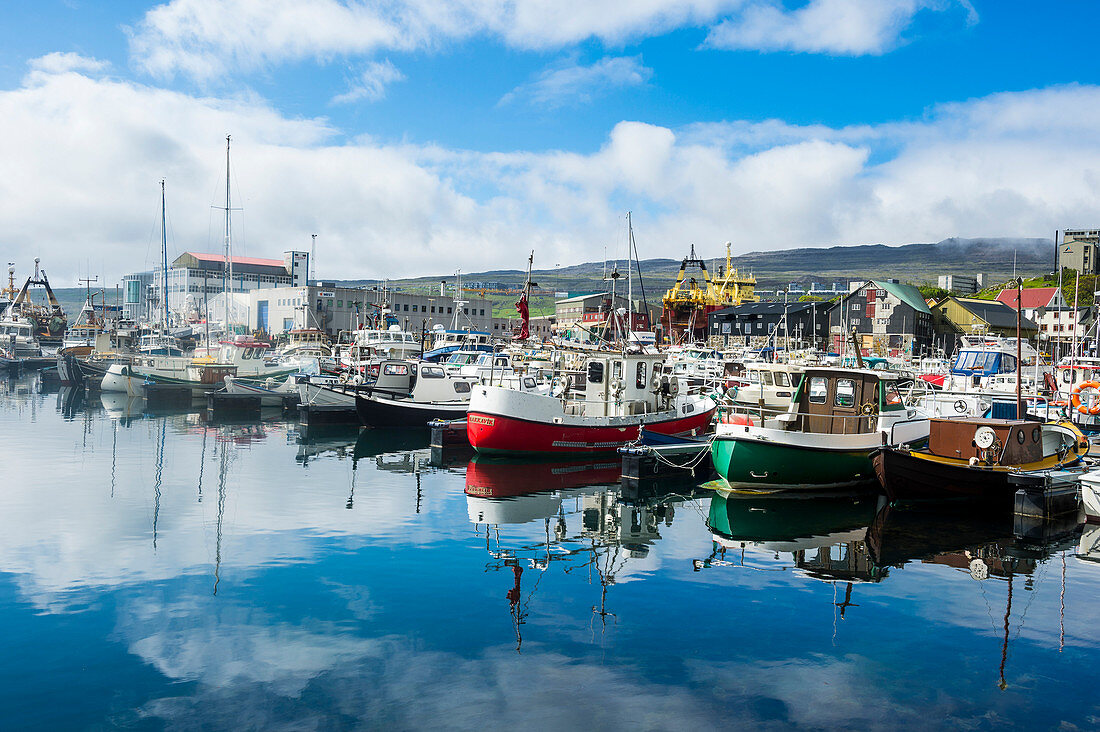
(488, 421)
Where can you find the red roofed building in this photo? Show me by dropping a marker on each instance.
(1033, 298)
(1057, 319)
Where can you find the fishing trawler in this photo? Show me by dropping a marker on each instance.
(48, 321)
(598, 409)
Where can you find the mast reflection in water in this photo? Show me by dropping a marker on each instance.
(337, 578)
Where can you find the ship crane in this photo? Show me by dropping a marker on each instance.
(688, 303)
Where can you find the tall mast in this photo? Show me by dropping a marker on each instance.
(164, 255)
(227, 275)
(629, 279)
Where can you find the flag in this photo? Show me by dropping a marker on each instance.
(521, 306)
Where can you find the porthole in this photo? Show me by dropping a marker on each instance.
(1036, 434)
(1020, 436)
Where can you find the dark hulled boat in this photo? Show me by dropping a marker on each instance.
(973, 458)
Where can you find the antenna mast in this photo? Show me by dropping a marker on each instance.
(228, 271)
(164, 254)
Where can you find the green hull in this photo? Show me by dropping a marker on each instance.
(773, 466)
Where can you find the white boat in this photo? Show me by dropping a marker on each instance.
(86, 332)
(17, 336)
(392, 342)
(761, 387)
(200, 376)
(1090, 495)
(271, 391)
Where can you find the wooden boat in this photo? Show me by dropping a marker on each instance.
(973, 458)
(599, 409)
(835, 422)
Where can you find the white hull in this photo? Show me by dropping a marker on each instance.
(321, 396)
(1090, 496)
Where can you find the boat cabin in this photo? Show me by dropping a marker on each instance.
(619, 385)
(844, 401)
(420, 381)
(1013, 441)
(974, 362)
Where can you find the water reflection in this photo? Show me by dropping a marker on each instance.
(582, 521)
(324, 580)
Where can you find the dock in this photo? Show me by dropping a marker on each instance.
(325, 414)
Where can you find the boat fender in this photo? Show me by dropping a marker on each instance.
(1094, 406)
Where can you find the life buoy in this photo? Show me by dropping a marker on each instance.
(1075, 399)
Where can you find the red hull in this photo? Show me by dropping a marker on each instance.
(488, 479)
(494, 433)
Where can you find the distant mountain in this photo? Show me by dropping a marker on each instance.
(917, 263)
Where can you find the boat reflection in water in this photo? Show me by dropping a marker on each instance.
(584, 522)
(122, 407)
(824, 533)
(979, 543)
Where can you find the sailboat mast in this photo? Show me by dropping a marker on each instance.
(164, 254)
(629, 280)
(227, 281)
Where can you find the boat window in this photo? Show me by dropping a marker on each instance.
(639, 381)
(246, 353)
(617, 370)
(396, 369)
(766, 377)
(431, 372)
(1008, 364)
(529, 382)
(754, 378)
(1067, 375)
(781, 378)
(462, 387)
(845, 393)
(595, 372)
(818, 389)
(890, 395)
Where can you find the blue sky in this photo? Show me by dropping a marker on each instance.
(437, 134)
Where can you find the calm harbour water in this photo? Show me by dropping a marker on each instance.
(163, 572)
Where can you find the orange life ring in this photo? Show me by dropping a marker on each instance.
(1075, 399)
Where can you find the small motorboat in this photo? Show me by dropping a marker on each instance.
(973, 458)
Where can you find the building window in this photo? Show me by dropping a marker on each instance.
(448, 311)
(483, 311)
(339, 303)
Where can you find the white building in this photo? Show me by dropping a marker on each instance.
(194, 277)
(334, 308)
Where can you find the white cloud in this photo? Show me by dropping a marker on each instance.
(371, 83)
(206, 39)
(562, 85)
(1000, 165)
(842, 27)
(59, 63)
